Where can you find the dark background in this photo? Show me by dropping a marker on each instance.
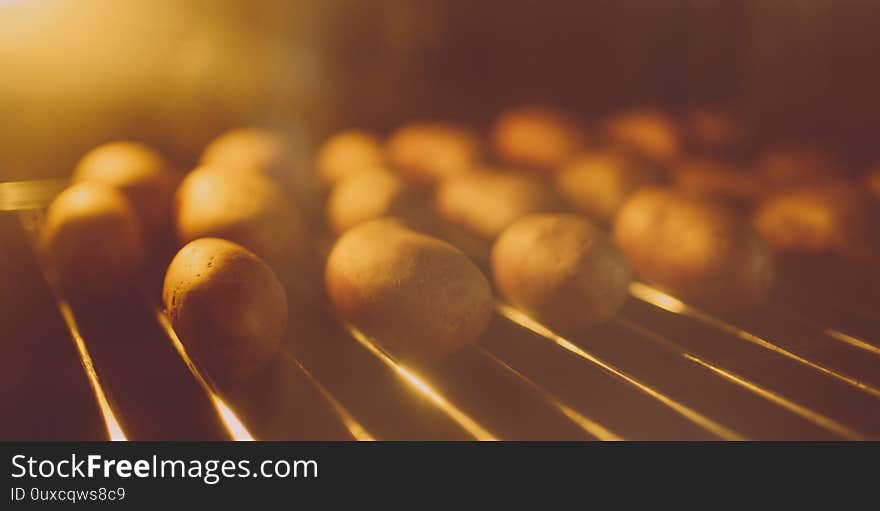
(177, 72)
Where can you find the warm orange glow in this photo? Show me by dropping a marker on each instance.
(354, 427)
(114, 430)
(852, 341)
(590, 426)
(230, 420)
(417, 382)
(662, 300)
(692, 415)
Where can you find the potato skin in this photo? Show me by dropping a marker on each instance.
(786, 166)
(426, 153)
(872, 181)
(698, 250)
(717, 179)
(347, 153)
(227, 307)
(368, 195)
(484, 203)
(418, 296)
(715, 130)
(826, 217)
(561, 270)
(243, 207)
(91, 242)
(597, 184)
(249, 148)
(140, 173)
(537, 137)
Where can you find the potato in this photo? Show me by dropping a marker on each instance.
(537, 137)
(561, 270)
(826, 217)
(91, 242)
(250, 148)
(715, 130)
(418, 296)
(596, 184)
(347, 153)
(791, 165)
(694, 248)
(484, 203)
(429, 152)
(243, 207)
(717, 179)
(227, 307)
(140, 173)
(371, 194)
(652, 132)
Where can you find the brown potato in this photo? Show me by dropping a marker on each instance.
(698, 250)
(371, 194)
(872, 181)
(826, 217)
(227, 307)
(346, 153)
(91, 242)
(140, 173)
(652, 132)
(537, 137)
(717, 179)
(250, 148)
(561, 270)
(484, 203)
(715, 130)
(243, 207)
(597, 184)
(427, 153)
(790, 165)
(418, 296)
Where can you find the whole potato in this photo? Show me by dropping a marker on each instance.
(715, 130)
(250, 148)
(791, 165)
(429, 152)
(227, 307)
(347, 153)
(596, 184)
(537, 137)
(91, 242)
(243, 207)
(697, 249)
(371, 194)
(418, 296)
(561, 270)
(484, 203)
(827, 217)
(717, 179)
(650, 131)
(140, 173)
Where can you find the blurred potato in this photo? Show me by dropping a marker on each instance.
(652, 132)
(91, 242)
(347, 153)
(227, 307)
(695, 248)
(827, 217)
(140, 173)
(428, 152)
(561, 270)
(872, 181)
(243, 207)
(716, 179)
(537, 137)
(370, 194)
(715, 130)
(597, 184)
(789, 165)
(419, 297)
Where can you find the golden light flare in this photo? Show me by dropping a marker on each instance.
(358, 431)
(114, 429)
(662, 300)
(230, 420)
(422, 386)
(767, 394)
(688, 413)
(590, 426)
